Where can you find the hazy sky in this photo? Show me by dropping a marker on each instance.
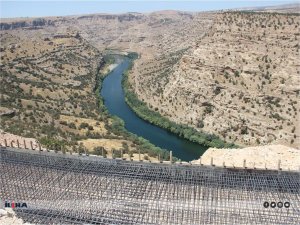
(23, 8)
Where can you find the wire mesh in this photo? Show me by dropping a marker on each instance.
(67, 189)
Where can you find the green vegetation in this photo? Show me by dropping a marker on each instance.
(117, 125)
(189, 133)
(53, 143)
(37, 109)
(100, 151)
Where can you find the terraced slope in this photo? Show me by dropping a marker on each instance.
(48, 91)
(45, 78)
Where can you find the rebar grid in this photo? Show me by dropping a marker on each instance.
(72, 189)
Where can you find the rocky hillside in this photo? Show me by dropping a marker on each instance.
(240, 81)
(231, 74)
(49, 67)
(48, 82)
(150, 34)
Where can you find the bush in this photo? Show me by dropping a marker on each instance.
(244, 130)
(63, 123)
(72, 125)
(83, 125)
(100, 151)
(117, 153)
(53, 143)
(81, 149)
(201, 124)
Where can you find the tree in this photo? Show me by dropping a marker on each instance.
(237, 73)
(100, 151)
(81, 149)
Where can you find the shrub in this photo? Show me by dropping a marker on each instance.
(63, 123)
(201, 124)
(244, 130)
(81, 149)
(83, 125)
(100, 151)
(237, 73)
(72, 125)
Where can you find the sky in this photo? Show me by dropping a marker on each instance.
(25, 8)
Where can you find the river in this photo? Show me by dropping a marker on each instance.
(114, 100)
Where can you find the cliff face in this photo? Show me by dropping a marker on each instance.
(240, 81)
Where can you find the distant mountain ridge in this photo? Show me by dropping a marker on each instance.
(285, 8)
(14, 23)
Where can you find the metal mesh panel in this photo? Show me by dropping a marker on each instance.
(92, 190)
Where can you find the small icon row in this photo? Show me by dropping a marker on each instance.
(278, 204)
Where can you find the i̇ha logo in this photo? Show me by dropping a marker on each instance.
(15, 204)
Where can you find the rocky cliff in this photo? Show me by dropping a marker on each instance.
(240, 81)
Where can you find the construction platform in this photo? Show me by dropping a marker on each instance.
(72, 189)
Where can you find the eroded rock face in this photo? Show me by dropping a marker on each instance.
(240, 81)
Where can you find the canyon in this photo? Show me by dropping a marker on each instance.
(233, 74)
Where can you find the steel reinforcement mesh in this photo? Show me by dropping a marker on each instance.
(62, 189)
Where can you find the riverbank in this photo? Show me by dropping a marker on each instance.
(153, 117)
(117, 126)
